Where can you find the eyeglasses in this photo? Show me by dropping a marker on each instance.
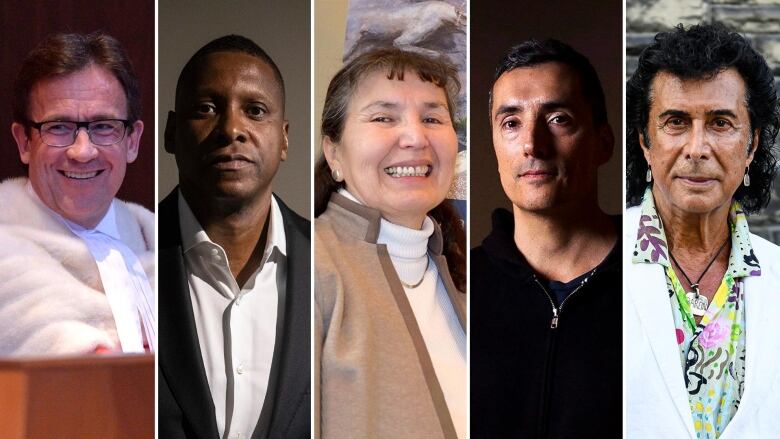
(62, 133)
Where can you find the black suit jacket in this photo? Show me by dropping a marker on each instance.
(184, 400)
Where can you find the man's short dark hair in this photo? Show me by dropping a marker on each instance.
(534, 52)
(701, 52)
(229, 43)
(64, 54)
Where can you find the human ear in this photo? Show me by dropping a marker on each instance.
(19, 132)
(169, 136)
(134, 141)
(286, 130)
(330, 151)
(645, 147)
(607, 142)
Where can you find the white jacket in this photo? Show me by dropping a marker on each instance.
(656, 398)
(51, 297)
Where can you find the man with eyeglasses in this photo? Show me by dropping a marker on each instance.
(76, 264)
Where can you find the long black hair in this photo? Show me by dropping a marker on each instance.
(701, 52)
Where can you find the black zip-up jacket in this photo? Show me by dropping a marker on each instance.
(532, 377)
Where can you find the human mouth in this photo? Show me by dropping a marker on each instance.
(80, 175)
(696, 180)
(537, 174)
(230, 162)
(408, 171)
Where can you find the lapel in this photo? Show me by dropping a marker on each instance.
(179, 354)
(647, 287)
(762, 306)
(289, 381)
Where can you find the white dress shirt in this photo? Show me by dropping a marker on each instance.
(236, 326)
(125, 284)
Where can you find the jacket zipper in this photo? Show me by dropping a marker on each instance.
(543, 418)
(557, 310)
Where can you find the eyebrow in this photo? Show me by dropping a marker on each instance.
(62, 118)
(722, 112)
(514, 109)
(388, 105)
(385, 105)
(681, 113)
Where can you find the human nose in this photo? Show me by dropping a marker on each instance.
(231, 126)
(413, 135)
(82, 149)
(698, 146)
(535, 140)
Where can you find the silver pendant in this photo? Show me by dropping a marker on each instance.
(698, 303)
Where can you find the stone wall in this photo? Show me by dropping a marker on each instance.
(759, 20)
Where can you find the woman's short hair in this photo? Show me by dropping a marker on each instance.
(396, 64)
(701, 52)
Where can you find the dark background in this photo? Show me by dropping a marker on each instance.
(595, 30)
(282, 29)
(23, 24)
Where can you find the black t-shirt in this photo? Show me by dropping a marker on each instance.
(561, 290)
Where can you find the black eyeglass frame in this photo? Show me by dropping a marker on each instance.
(79, 125)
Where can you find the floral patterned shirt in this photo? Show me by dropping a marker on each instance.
(712, 353)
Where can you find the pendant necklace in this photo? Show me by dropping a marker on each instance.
(698, 303)
(413, 286)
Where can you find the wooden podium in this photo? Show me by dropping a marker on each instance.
(100, 396)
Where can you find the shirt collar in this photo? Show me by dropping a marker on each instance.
(107, 224)
(192, 233)
(651, 246)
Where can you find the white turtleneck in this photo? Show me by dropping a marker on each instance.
(444, 338)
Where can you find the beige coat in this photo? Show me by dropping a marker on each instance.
(51, 296)
(373, 375)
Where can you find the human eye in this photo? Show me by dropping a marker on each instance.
(104, 125)
(205, 108)
(561, 119)
(722, 124)
(381, 118)
(511, 124)
(433, 119)
(58, 128)
(675, 124)
(256, 110)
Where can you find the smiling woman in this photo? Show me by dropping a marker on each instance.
(389, 309)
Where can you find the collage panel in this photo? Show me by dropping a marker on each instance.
(531, 219)
(389, 206)
(702, 120)
(77, 231)
(234, 259)
(546, 179)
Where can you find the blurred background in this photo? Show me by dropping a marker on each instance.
(25, 23)
(758, 20)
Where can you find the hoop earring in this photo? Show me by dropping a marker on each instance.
(336, 174)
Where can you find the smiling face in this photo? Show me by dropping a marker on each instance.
(699, 141)
(228, 132)
(397, 152)
(79, 181)
(546, 144)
